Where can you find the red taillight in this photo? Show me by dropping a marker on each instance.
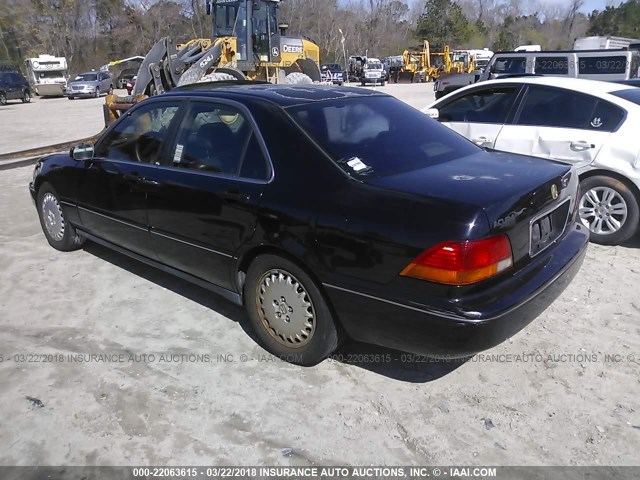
(462, 263)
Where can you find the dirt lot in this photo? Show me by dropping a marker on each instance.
(185, 384)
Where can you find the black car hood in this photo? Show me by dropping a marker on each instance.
(494, 181)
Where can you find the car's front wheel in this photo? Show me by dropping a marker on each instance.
(609, 209)
(97, 93)
(59, 233)
(288, 312)
(3, 98)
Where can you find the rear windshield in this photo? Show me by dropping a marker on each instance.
(379, 136)
(631, 94)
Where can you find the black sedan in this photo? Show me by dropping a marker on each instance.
(328, 212)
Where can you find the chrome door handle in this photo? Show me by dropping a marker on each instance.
(582, 145)
(482, 141)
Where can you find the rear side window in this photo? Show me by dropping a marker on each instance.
(379, 136)
(488, 105)
(603, 65)
(509, 65)
(552, 107)
(552, 65)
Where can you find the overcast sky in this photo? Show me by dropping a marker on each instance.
(589, 5)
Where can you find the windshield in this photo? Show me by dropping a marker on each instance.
(86, 77)
(379, 136)
(225, 18)
(50, 74)
(373, 66)
(631, 95)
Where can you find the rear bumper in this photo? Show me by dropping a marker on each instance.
(499, 314)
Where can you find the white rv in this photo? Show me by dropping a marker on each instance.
(47, 75)
(603, 43)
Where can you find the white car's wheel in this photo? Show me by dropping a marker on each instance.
(609, 209)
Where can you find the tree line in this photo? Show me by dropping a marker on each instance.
(89, 33)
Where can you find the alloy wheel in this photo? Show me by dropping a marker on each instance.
(603, 210)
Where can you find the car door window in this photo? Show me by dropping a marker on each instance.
(554, 107)
(138, 136)
(219, 139)
(487, 105)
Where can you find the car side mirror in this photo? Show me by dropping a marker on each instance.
(432, 113)
(82, 152)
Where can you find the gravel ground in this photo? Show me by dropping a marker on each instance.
(210, 395)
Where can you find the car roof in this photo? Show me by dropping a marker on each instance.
(284, 95)
(578, 84)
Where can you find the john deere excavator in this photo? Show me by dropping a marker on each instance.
(247, 42)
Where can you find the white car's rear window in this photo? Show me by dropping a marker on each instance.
(631, 94)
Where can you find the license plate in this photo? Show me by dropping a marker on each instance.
(547, 228)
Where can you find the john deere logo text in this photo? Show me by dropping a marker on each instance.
(292, 49)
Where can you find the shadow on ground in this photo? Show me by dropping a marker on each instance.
(380, 360)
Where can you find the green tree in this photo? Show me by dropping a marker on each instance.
(622, 21)
(443, 23)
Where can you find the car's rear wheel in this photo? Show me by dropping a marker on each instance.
(609, 209)
(3, 98)
(288, 312)
(110, 92)
(71, 98)
(26, 97)
(59, 233)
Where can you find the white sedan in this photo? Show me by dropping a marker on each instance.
(593, 125)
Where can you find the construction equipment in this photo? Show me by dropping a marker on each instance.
(423, 65)
(247, 43)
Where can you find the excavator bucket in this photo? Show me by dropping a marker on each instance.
(408, 77)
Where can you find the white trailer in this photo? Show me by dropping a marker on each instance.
(603, 43)
(47, 75)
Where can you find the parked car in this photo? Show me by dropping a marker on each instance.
(592, 125)
(324, 211)
(13, 86)
(131, 84)
(125, 77)
(90, 84)
(373, 72)
(332, 72)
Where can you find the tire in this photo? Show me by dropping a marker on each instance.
(26, 97)
(382, 83)
(97, 93)
(3, 98)
(609, 209)
(217, 77)
(110, 92)
(60, 234)
(306, 339)
(298, 78)
(71, 98)
(362, 84)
